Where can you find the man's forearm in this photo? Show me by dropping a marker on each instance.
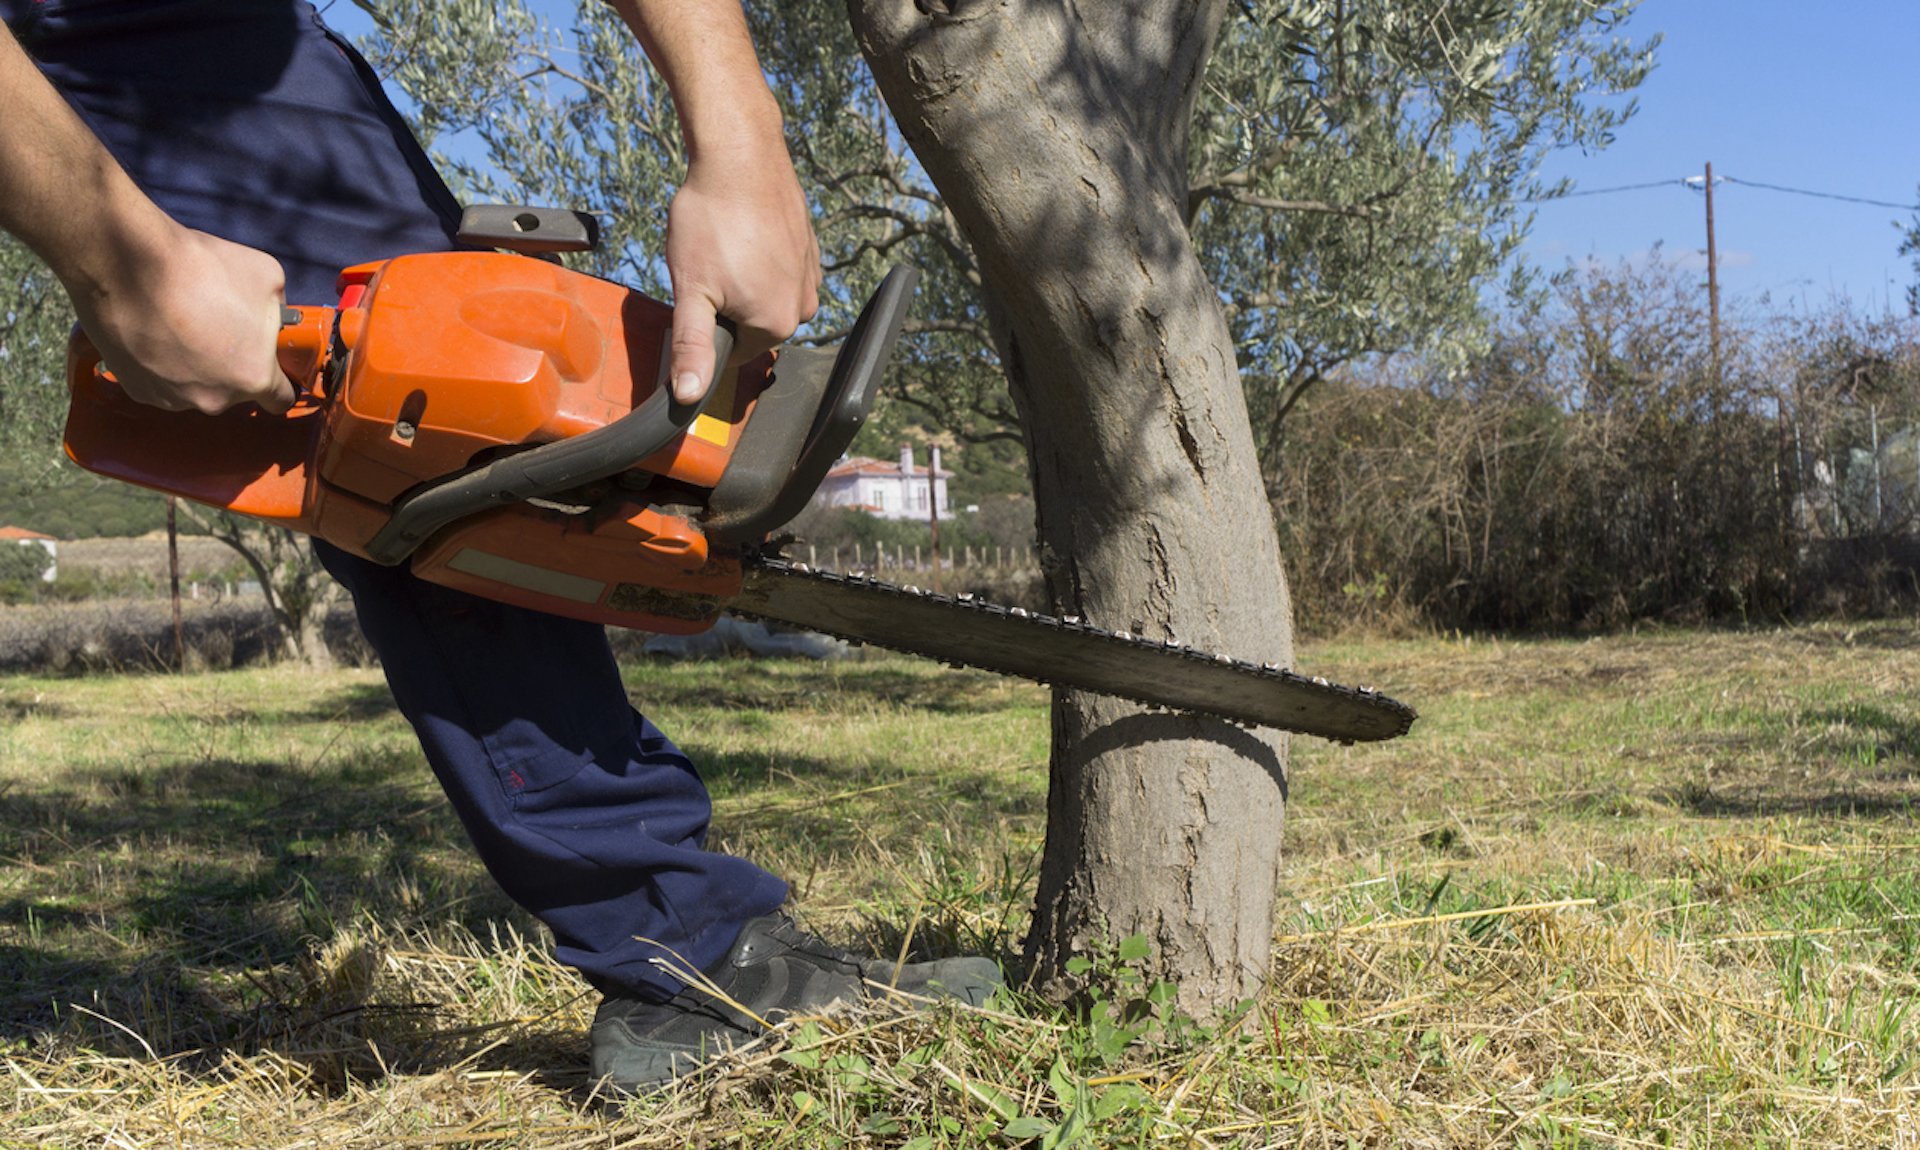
(61, 192)
(184, 319)
(703, 50)
(740, 239)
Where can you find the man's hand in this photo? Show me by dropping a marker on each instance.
(195, 328)
(739, 239)
(184, 320)
(739, 244)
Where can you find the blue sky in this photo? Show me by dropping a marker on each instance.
(1822, 97)
(1819, 97)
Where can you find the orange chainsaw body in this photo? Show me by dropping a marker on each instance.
(431, 366)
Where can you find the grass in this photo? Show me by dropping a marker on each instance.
(1654, 889)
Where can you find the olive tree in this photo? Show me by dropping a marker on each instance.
(1060, 144)
(1118, 209)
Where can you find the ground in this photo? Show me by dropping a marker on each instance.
(1650, 889)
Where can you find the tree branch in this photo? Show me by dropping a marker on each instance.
(1269, 203)
(913, 225)
(950, 327)
(864, 247)
(1004, 420)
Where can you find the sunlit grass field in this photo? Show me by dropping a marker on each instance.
(1640, 890)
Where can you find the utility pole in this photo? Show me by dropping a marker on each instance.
(173, 577)
(933, 508)
(1713, 283)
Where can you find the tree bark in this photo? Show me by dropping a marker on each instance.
(1057, 137)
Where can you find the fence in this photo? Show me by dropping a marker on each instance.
(878, 558)
(139, 566)
(109, 609)
(1857, 478)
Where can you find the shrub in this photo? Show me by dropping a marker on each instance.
(23, 566)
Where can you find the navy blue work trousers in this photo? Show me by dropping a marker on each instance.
(251, 120)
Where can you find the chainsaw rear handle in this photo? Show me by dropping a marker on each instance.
(306, 334)
(548, 469)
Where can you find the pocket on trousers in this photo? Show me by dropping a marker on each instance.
(530, 762)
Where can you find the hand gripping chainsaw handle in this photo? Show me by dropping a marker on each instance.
(302, 348)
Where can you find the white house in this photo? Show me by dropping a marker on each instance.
(25, 538)
(889, 490)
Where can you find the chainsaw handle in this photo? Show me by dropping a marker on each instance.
(547, 469)
(804, 422)
(302, 346)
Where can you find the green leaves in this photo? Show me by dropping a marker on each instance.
(1910, 246)
(1360, 198)
(1026, 1126)
(34, 321)
(570, 113)
(1083, 1110)
(1015, 1079)
(1359, 172)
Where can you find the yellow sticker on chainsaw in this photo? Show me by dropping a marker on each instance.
(714, 431)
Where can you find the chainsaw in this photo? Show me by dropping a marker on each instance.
(504, 426)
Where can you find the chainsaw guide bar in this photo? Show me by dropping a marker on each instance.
(1062, 652)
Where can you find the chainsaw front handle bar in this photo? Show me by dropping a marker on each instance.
(548, 469)
(804, 423)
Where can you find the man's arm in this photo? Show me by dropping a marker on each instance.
(184, 320)
(739, 238)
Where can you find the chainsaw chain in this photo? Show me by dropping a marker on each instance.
(964, 603)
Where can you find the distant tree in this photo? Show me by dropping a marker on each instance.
(297, 589)
(1600, 465)
(41, 490)
(22, 566)
(1910, 246)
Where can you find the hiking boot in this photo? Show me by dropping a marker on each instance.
(774, 971)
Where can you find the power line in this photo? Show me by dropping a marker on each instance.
(1822, 195)
(1724, 180)
(1603, 191)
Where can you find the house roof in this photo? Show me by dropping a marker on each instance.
(22, 534)
(878, 468)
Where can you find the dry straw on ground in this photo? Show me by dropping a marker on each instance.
(1559, 1026)
(1640, 891)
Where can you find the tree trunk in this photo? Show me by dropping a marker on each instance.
(1058, 139)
